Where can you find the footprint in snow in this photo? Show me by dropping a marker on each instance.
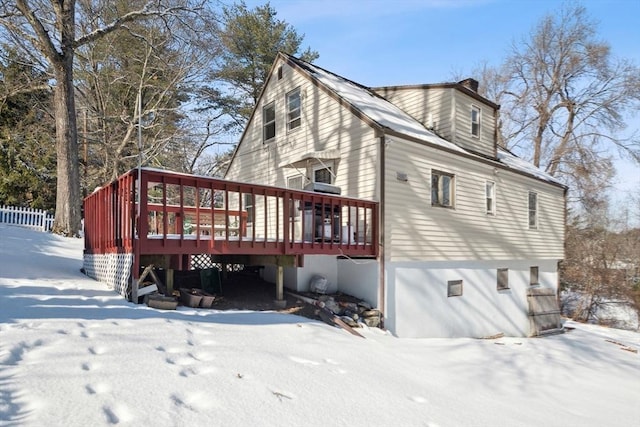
(303, 361)
(97, 388)
(180, 361)
(90, 366)
(97, 350)
(418, 399)
(193, 371)
(117, 414)
(195, 401)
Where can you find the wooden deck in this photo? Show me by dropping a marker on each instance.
(182, 215)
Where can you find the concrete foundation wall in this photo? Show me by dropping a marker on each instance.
(417, 304)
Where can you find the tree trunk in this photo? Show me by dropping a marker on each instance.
(68, 201)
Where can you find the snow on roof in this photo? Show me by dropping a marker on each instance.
(377, 108)
(390, 116)
(514, 162)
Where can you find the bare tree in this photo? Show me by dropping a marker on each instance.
(564, 99)
(148, 72)
(46, 30)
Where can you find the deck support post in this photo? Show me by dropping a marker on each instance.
(280, 284)
(169, 281)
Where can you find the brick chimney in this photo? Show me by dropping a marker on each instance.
(470, 83)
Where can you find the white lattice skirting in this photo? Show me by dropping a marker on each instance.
(112, 269)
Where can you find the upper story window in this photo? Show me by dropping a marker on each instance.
(475, 121)
(269, 121)
(293, 109)
(490, 190)
(442, 189)
(533, 209)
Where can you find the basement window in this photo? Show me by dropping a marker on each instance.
(503, 279)
(533, 276)
(454, 288)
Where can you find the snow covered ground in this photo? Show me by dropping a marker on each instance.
(73, 353)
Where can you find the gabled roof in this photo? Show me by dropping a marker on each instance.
(381, 112)
(391, 119)
(462, 86)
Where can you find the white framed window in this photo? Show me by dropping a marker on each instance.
(323, 173)
(475, 121)
(294, 105)
(533, 210)
(269, 121)
(490, 196)
(442, 189)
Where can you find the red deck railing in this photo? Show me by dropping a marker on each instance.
(186, 214)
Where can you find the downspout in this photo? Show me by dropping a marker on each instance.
(381, 234)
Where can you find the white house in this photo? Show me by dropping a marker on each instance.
(468, 232)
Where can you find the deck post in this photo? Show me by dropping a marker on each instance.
(280, 283)
(169, 281)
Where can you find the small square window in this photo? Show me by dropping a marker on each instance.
(533, 276)
(503, 279)
(454, 288)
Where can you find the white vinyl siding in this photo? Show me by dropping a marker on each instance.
(484, 142)
(415, 231)
(431, 107)
(447, 112)
(328, 126)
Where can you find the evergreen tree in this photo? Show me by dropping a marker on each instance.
(251, 40)
(27, 145)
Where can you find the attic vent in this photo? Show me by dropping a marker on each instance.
(280, 72)
(470, 83)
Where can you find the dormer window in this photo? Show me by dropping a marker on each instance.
(475, 121)
(269, 121)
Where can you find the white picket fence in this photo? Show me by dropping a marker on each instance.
(25, 217)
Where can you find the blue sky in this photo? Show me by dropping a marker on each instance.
(393, 42)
